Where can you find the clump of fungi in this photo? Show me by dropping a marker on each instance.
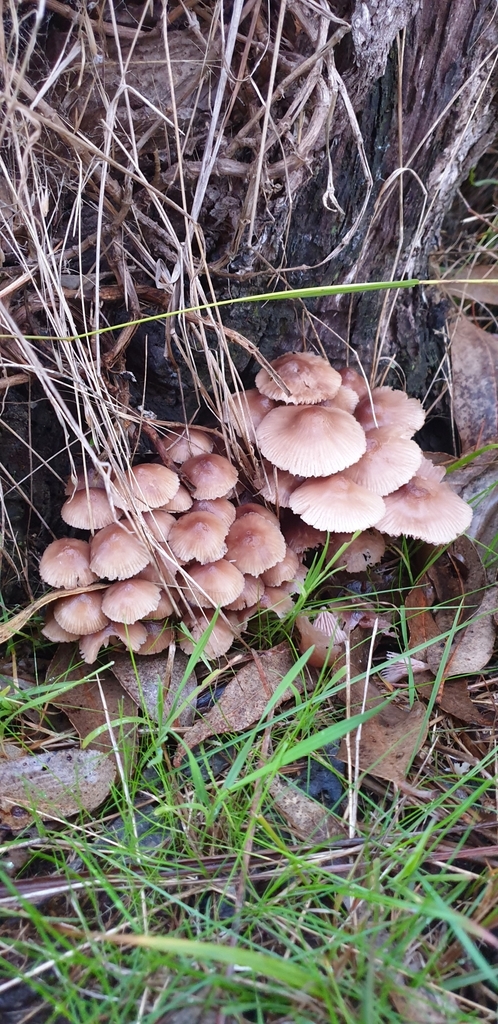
(175, 542)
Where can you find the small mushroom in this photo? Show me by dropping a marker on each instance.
(159, 637)
(278, 600)
(129, 600)
(215, 583)
(277, 485)
(326, 647)
(365, 550)
(213, 476)
(90, 510)
(181, 502)
(245, 410)
(283, 571)
(385, 407)
(150, 484)
(56, 633)
(183, 444)
(427, 510)
(254, 544)
(159, 523)
(354, 380)
(132, 637)
(117, 553)
(221, 507)
(311, 440)
(300, 536)
(260, 510)
(66, 563)
(337, 504)
(345, 399)
(251, 594)
(198, 536)
(388, 463)
(308, 379)
(81, 613)
(220, 639)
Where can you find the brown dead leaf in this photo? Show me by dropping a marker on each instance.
(456, 701)
(153, 674)
(419, 616)
(57, 784)
(308, 819)
(245, 699)
(473, 645)
(83, 703)
(474, 355)
(389, 740)
(481, 289)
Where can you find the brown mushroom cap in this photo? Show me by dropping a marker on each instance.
(251, 594)
(199, 536)
(81, 613)
(277, 485)
(159, 523)
(307, 377)
(345, 399)
(66, 563)
(216, 583)
(337, 504)
(278, 600)
(151, 485)
(254, 544)
(260, 510)
(282, 571)
(131, 636)
(393, 409)
(91, 477)
(159, 637)
(181, 502)
(365, 550)
(220, 640)
(427, 510)
(220, 507)
(183, 444)
(311, 440)
(388, 463)
(213, 476)
(325, 653)
(300, 536)
(129, 600)
(56, 633)
(90, 510)
(246, 410)
(163, 610)
(354, 380)
(117, 553)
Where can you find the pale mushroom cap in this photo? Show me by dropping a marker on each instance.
(131, 636)
(159, 637)
(311, 440)
(56, 633)
(91, 478)
(216, 583)
(246, 410)
(282, 571)
(151, 485)
(254, 544)
(89, 510)
(219, 642)
(183, 444)
(427, 510)
(309, 379)
(251, 594)
(159, 523)
(81, 613)
(117, 553)
(181, 502)
(278, 484)
(393, 409)
(325, 653)
(213, 476)
(129, 600)
(365, 550)
(337, 504)
(388, 463)
(345, 399)
(66, 563)
(164, 608)
(278, 600)
(220, 507)
(431, 471)
(199, 536)
(300, 536)
(354, 380)
(260, 510)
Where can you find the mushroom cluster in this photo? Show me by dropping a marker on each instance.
(170, 544)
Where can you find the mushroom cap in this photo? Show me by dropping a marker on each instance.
(282, 571)
(427, 510)
(278, 484)
(181, 502)
(308, 378)
(260, 510)
(251, 594)
(90, 509)
(66, 563)
(354, 380)
(278, 600)
(311, 440)
(220, 507)
(56, 633)
(81, 613)
(213, 476)
(431, 471)
(345, 399)
(199, 536)
(89, 477)
(182, 444)
(337, 504)
(300, 536)
(254, 544)
(129, 600)
(393, 409)
(159, 637)
(131, 636)
(215, 583)
(151, 485)
(220, 639)
(325, 653)
(365, 550)
(159, 523)
(388, 463)
(117, 553)
(164, 608)
(246, 410)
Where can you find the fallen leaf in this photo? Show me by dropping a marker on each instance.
(481, 290)
(388, 741)
(17, 622)
(245, 699)
(473, 645)
(476, 483)
(156, 680)
(306, 818)
(474, 354)
(57, 784)
(83, 703)
(456, 701)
